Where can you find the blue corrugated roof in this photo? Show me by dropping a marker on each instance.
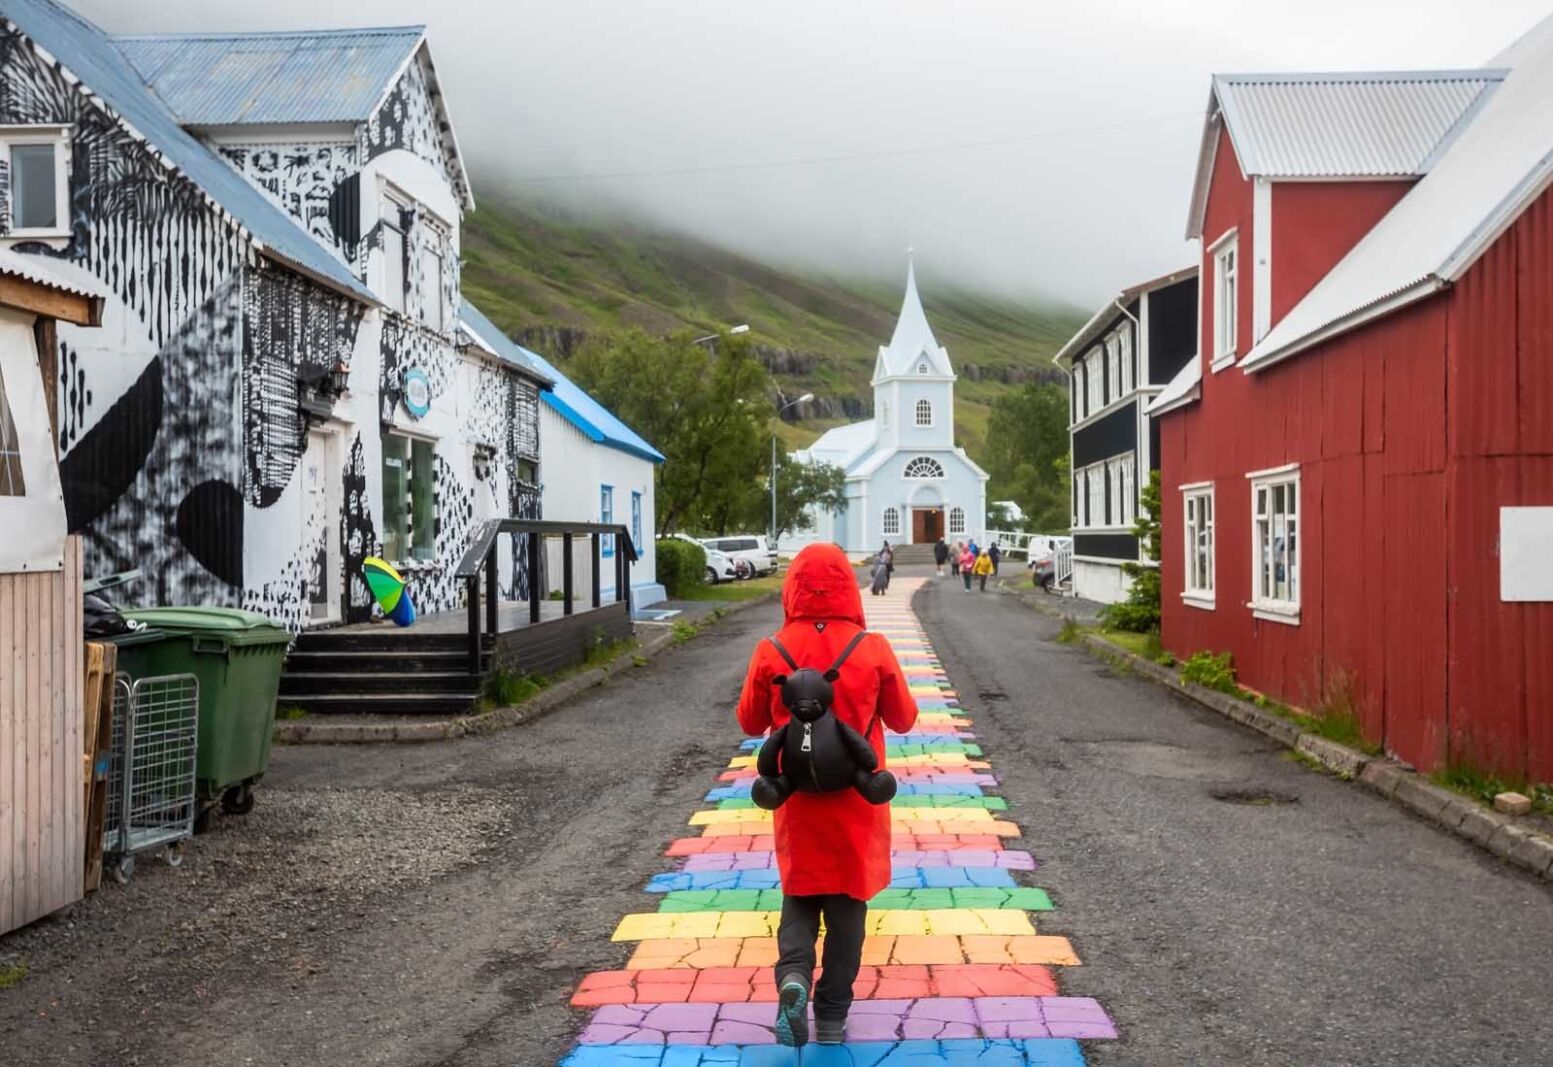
(594, 420)
(474, 321)
(89, 54)
(240, 78)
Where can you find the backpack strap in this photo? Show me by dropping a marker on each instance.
(784, 653)
(835, 668)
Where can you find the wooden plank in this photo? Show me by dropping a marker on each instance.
(9, 751)
(75, 854)
(52, 736)
(32, 870)
(99, 742)
(44, 300)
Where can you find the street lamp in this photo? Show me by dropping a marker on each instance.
(790, 404)
(743, 327)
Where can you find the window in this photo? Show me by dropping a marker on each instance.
(1078, 499)
(1124, 345)
(924, 413)
(1275, 554)
(924, 467)
(957, 520)
(1198, 510)
(1094, 383)
(1123, 504)
(432, 308)
(892, 522)
(393, 255)
(39, 193)
(1078, 392)
(636, 520)
(11, 481)
(1095, 478)
(607, 516)
(922, 367)
(409, 499)
(1225, 300)
(884, 414)
(1113, 369)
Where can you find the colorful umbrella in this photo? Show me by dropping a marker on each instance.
(390, 589)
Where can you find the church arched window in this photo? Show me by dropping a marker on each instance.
(924, 413)
(957, 520)
(924, 467)
(892, 522)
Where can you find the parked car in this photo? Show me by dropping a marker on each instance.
(720, 567)
(752, 547)
(1043, 560)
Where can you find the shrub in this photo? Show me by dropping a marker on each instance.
(1211, 672)
(1139, 613)
(509, 688)
(1131, 617)
(681, 566)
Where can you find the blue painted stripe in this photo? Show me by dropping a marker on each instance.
(956, 1052)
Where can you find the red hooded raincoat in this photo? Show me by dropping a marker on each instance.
(830, 842)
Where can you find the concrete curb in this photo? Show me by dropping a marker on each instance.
(322, 732)
(1503, 835)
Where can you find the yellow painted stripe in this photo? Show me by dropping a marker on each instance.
(937, 922)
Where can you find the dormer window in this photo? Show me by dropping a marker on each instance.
(922, 367)
(38, 200)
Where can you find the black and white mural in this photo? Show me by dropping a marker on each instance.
(307, 179)
(412, 119)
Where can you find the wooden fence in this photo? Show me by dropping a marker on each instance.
(41, 807)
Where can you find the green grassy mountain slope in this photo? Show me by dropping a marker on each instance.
(548, 279)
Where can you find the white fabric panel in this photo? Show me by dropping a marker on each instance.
(34, 523)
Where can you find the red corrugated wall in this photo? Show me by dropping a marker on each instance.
(1411, 434)
(1314, 226)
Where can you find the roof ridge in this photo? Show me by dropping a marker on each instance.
(1349, 76)
(212, 35)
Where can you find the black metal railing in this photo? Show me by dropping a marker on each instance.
(532, 535)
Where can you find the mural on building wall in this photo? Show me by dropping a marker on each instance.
(305, 178)
(295, 334)
(358, 535)
(410, 119)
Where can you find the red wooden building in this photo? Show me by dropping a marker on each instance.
(1358, 468)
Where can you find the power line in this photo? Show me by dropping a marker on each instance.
(953, 146)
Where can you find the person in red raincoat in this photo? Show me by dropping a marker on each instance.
(832, 849)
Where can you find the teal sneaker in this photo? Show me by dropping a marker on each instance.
(792, 1021)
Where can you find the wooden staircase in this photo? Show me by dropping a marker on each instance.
(333, 671)
(912, 554)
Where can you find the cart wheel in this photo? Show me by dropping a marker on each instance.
(174, 854)
(238, 799)
(122, 868)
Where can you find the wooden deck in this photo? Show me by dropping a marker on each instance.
(511, 616)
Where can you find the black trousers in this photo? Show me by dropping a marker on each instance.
(800, 928)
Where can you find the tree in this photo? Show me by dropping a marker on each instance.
(704, 409)
(803, 490)
(1027, 455)
(1140, 611)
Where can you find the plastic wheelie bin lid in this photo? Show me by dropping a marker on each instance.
(232, 625)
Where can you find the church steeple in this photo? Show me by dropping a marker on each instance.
(913, 340)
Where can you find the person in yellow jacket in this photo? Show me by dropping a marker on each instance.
(982, 568)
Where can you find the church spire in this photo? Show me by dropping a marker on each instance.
(913, 336)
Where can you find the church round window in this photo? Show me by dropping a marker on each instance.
(924, 467)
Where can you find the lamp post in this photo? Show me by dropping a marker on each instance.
(791, 403)
(743, 327)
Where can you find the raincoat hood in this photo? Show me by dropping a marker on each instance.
(822, 585)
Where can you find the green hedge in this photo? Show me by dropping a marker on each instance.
(681, 565)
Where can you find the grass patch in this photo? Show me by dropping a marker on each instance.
(601, 650)
(1216, 672)
(1070, 633)
(684, 630)
(733, 592)
(1483, 786)
(290, 713)
(506, 689)
(11, 974)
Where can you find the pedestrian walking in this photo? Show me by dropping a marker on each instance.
(879, 582)
(832, 849)
(996, 552)
(955, 553)
(884, 561)
(940, 555)
(967, 565)
(982, 567)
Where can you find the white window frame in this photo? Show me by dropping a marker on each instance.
(1198, 584)
(1116, 515)
(1113, 369)
(924, 406)
(922, 367)
(1094, 493)
(1125, 466)
(1226, 311)
(1264, 604)
(1078, 392)
(433, 250)
(957, 520)
(1124, 345)
(1094, 383)
(890, 521)
(1079, 491)
(927, 460)
(59, 138)
(396, 297)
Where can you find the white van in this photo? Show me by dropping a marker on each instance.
(751, 547)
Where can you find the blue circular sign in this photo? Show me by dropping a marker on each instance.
(417, 392)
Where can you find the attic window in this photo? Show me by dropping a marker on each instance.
(922, 367)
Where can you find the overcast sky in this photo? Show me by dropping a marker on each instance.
(1034, 146)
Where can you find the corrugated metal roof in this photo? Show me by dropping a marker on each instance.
(490, 337)
(1346, 125)
(1482, 182)
(1321, 126)
(45, 272)
(246, 78)
(90, 55)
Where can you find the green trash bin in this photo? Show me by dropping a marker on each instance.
(237, 657)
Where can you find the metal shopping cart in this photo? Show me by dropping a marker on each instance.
(151, 771)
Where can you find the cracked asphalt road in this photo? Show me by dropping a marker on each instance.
(436, 904)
